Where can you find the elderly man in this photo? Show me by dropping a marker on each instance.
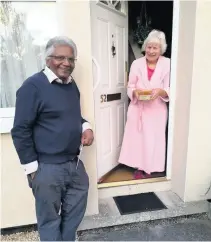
(48, 133)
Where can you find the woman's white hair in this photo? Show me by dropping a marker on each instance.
(156, 36)
(58, 41)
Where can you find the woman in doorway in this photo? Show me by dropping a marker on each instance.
(144, 141)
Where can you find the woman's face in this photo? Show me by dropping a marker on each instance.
(153, 51)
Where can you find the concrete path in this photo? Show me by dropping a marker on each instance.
(195, 228)
(191, 228)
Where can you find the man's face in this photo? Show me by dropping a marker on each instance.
(62, 61)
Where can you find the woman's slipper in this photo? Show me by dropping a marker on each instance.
(138, 175)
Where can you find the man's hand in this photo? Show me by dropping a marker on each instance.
(87, 137)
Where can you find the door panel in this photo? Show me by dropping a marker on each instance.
(102, 48)
(109, 49)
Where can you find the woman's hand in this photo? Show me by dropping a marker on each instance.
(136, 93)
(157, 92)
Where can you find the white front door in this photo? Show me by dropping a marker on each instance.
(110, 55)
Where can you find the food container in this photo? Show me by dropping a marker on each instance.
(144, 95)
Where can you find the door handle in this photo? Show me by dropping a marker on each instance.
(113, 50)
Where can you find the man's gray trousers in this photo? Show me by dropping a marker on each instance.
(60, 192)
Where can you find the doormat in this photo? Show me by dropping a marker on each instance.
(142, 202)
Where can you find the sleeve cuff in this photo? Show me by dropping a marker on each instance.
(86, 126)
(30, 167)
(130, 95)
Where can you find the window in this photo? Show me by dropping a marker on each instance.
(25, 27)
(116, 5)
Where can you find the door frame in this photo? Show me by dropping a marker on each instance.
(173, 78)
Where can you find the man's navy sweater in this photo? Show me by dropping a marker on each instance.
(48, 122)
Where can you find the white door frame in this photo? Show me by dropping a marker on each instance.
(173, 79)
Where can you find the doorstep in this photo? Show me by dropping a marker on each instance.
(109, 214)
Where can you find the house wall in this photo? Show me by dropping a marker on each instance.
(191, 170)
(198, 174)
(17, 202)
(187, 14)
(74, 21)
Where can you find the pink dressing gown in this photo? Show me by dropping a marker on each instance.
(144, 141)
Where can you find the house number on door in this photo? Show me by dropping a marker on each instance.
(103, 98)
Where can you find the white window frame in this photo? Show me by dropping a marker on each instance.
(7, 114)
(111, 8)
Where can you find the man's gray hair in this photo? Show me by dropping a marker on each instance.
(156, 36)
(57, 41)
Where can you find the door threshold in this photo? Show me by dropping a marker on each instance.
(131, 182)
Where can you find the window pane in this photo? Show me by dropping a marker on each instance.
(25, 27)
(105, 2)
